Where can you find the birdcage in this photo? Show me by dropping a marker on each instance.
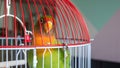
(26, 39)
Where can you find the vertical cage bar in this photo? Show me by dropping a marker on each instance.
(34, 59)
(79, 57)
(89, 55)
(70, 57)
(83, 57)
(25, 58)
(58, 57)
(11, 50)
(50, 57)
(86, 56)
(21, 55)
(75, 57)
(17, 54)
(7, 58)
(64, 57)
(2, 50)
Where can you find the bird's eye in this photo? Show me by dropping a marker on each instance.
(41, 20)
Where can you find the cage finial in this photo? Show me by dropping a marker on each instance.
(8, 6)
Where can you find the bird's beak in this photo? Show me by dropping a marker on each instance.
(48, 26)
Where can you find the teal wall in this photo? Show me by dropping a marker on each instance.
(98, 12)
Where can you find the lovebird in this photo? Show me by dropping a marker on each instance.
(48, 57)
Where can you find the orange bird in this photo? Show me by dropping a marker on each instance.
(44, 34)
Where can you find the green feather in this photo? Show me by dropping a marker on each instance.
(47, 62)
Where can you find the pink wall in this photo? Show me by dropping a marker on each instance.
(106, 45)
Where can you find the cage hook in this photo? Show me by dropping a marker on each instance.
(65, 49)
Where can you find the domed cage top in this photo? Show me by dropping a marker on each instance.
(24, 21)
(19, 19)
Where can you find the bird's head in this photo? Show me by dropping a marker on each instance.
(47, 24)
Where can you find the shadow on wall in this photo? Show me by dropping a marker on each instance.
(104, 64)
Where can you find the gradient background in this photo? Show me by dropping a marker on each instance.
(103, 21)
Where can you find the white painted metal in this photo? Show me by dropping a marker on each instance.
(83, 54)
